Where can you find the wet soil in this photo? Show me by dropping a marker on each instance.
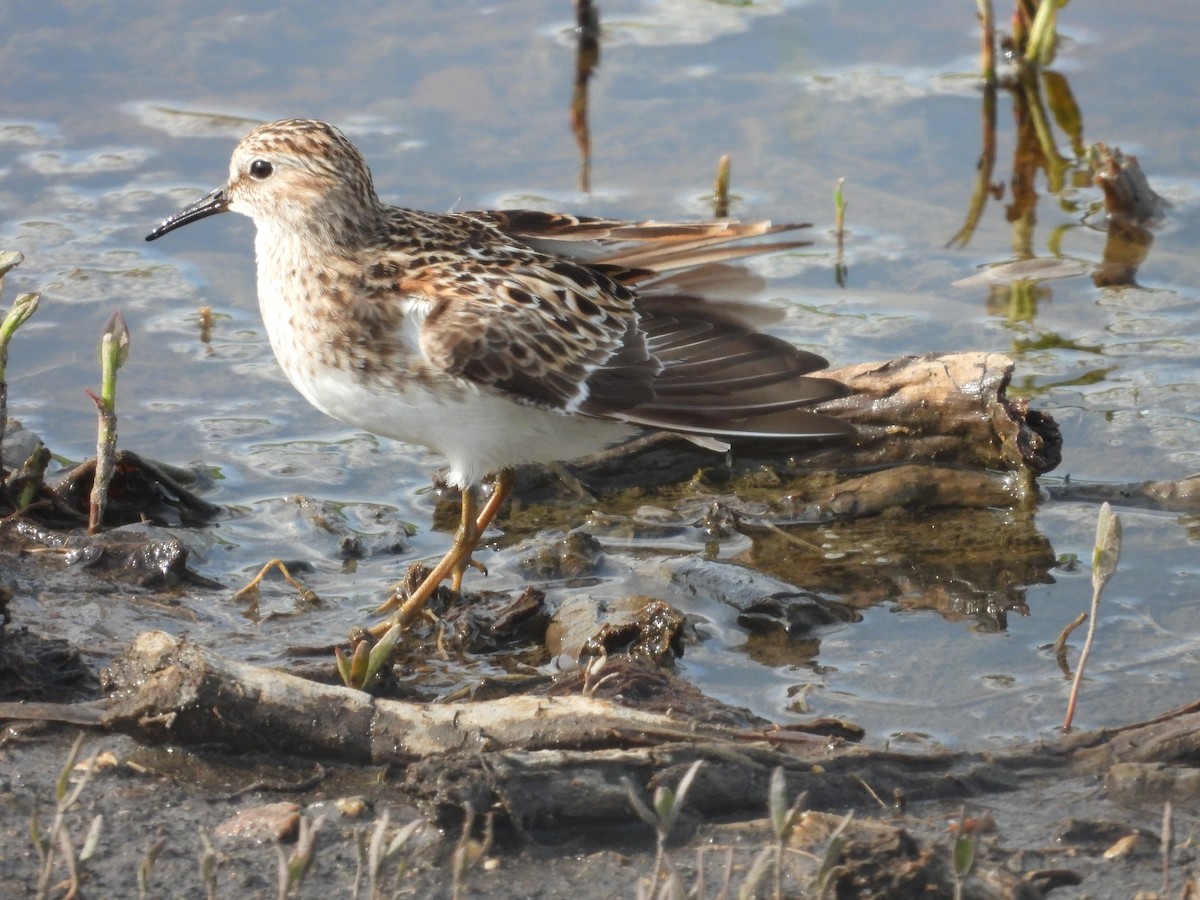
(202, 803)
(179, 798)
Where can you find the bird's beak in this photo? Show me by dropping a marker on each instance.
(208, 205)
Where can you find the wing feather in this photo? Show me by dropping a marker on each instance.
(575, 337)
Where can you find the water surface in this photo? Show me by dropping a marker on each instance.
(116, 114)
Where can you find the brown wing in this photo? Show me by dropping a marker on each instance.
(718, 378)
(569, 337)
(539, 333)
(649, 248)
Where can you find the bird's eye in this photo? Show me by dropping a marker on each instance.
(261, 170)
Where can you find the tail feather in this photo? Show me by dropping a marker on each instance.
(697, 367)
(719, 378)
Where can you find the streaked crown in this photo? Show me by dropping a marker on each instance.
(303, 174)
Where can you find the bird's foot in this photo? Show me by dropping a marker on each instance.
(250, 591)
(469, 563)
(472, 524)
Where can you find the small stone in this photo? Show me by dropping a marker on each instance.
(262, 824)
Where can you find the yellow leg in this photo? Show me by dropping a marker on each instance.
(251, 589)
(471, 527)
(501, 491)
(466, 539)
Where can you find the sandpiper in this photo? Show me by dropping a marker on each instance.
(499, 338)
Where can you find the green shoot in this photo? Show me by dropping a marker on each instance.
(114, 351)
(146, 867)
(1039, 50)
(758, 870)
(362, 668)
(380, 851)
(469, 851)
(58, 838)
(294, 866)
(833, 852)
(667, 804)
(18, 314)
(987, 21)
(839, 228)
(9, 260)
(963, 854)
(839, 209)
(783, 819)
(721, 188)
(209, 864)
(1106, 553)
(23, 307)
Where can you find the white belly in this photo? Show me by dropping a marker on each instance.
(478, 433)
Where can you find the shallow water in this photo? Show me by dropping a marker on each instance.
(115, 115)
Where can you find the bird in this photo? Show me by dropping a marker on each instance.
(500, 338)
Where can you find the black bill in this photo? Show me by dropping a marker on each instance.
(208, 205)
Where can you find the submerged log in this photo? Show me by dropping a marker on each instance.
(1169, 496)
(919, 488)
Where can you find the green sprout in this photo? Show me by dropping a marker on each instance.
(380, 851)
(363, 666)
(784, 819)
(58, 839)
(1039, 49)
(839, 230)
(1106, 553)
(146, 867)
(721, 187)
(667, 804)
(963, 854)
(294, 866)
(114, 351)
(469, 852)
(23, 307)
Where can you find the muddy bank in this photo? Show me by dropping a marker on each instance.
(537, 776)
(204, 783)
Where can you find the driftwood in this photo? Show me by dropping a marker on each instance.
(938, 432)
(948, 409)
(935, 431)
(167, 689)
(555, 759)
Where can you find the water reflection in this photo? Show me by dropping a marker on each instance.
(1039, 98)
(587, 58)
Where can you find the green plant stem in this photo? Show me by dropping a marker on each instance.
(721, 188)
(1042, 33)
(1105, 555)
(987, 21)
(23, 307)
(114, 350)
